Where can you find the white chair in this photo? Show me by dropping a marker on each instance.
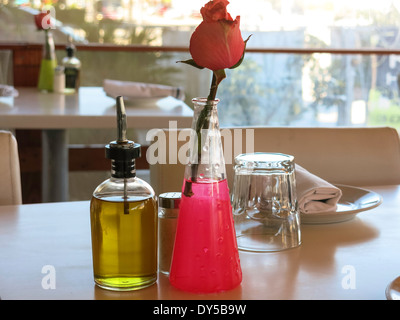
(353, 156)
(10, 177)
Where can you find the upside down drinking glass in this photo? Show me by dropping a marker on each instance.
(265, 208)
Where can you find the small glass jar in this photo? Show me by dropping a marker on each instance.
(168, 211)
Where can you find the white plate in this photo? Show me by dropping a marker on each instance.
(352, 201)
(139, 102)
(393, 290)
(142, 102)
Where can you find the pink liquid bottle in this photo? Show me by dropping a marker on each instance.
(205, 257)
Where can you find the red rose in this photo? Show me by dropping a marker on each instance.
(43, 20)
(217, 42)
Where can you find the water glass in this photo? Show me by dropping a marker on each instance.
(264, 202)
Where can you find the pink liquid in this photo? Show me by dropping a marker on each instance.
(205, 257)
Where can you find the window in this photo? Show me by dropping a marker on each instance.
(309, 63)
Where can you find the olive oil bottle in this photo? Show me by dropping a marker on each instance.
(123, 215)
(72, 69)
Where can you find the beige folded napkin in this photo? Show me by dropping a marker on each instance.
(315, 194)
(8, 91)
(131, 90)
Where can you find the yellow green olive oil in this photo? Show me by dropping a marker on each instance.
(124, 242)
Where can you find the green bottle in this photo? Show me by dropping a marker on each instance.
(48, 64)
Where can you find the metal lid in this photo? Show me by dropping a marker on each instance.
(122, 151)
(169, 200)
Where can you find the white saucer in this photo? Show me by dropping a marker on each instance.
(352, 201)
(139, 102)
(393, 290)
(142, 102)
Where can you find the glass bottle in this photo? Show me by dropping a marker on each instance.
(72, 66)
(48, 64)
(205, 257)
(123, 215)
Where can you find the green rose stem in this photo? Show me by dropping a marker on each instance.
(203, 123)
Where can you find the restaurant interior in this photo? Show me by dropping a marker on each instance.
(137, 164)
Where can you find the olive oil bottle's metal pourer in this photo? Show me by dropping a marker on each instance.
(121, 121)
(122, 152)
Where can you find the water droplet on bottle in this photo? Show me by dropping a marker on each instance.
(205, 249)
(205, 148)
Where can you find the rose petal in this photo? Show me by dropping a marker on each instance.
(215, 10)
(217, 45)
(43, 20)
(38, 20)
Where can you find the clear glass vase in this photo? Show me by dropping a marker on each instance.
(205, 257)
(48, 64)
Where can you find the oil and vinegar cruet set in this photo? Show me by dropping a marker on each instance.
(130, 230)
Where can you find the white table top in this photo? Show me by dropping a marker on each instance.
(91, 108)
(58, 234)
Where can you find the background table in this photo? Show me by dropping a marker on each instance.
(90, 108)
(58, 235)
